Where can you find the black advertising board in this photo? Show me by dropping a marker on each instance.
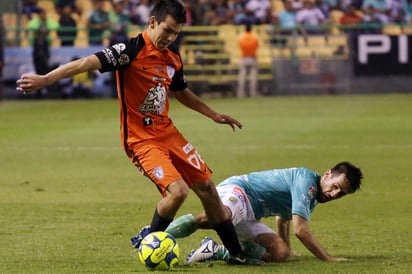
(379, 54)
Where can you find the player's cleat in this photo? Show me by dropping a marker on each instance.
(137, 239)
(237, 260)
(242, 259)
(206, 252)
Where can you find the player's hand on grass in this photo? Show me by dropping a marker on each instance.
(226, 119)
(338, 259)
(30, 82)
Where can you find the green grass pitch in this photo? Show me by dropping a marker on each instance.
(70, 199)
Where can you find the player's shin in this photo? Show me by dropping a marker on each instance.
(159, 223)
(227, 234)
(183, 226)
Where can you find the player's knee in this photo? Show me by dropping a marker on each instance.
(277, 251)
(282, 255)
(178, 191)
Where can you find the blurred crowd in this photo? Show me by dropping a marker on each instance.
(287, 14)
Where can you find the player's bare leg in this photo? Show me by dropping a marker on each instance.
(176, 194)
(276, 248)
(165, 211)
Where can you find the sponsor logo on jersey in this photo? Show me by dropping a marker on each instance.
(155, 101)
(119, 48)
(108, 53)
(237, 191)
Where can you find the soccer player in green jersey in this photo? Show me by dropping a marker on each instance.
(289, 194)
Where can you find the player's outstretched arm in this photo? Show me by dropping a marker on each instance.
(32, 82)
(304, 234)
(190, 100)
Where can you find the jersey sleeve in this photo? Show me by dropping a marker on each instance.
(302, 195)
(179, 81)
(117, 56)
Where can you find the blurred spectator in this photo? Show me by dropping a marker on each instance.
(248, 44)
(68, 26)
(407, 7)
(98, 23)
(237, 11)
(396, 12)
(297, 4)
(61, 4)
(310, 19)
(351, 23)
(42, 21)
(191, 13)
(372, 20)
(399, 17)
(350, 17)
(141, 13)
(119, 32)
(131, 4)
(220, 13)
(323, 6)
(29, 7)
(380, 9)
(191, 20)
(258, 11)
(215, 12)
(120, 22)
(284, 24)
(334, 4)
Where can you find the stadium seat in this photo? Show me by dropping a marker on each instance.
(335, 16)
(277, 6)
(392, 29)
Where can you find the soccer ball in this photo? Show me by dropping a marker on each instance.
(159, 251)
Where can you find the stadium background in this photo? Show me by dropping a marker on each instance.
(211, 55)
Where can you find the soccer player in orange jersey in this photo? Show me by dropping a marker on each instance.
(147, 69)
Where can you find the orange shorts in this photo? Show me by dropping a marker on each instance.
(168, 159)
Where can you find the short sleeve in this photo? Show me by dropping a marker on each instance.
(117, 56)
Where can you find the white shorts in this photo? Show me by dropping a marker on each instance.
(243, 217)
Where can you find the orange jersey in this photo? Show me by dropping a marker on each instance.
(248, 44)
(144, 77)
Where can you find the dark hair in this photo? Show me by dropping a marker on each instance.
(353, 174)
(174, 8)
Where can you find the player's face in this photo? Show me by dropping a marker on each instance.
(163, 33)
(332, 187)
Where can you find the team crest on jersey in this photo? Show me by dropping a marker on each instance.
(155, 101)
(124, 59)
(119, 47)
(158, 172)
(170, 71)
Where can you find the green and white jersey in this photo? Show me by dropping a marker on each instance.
(279, 192)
